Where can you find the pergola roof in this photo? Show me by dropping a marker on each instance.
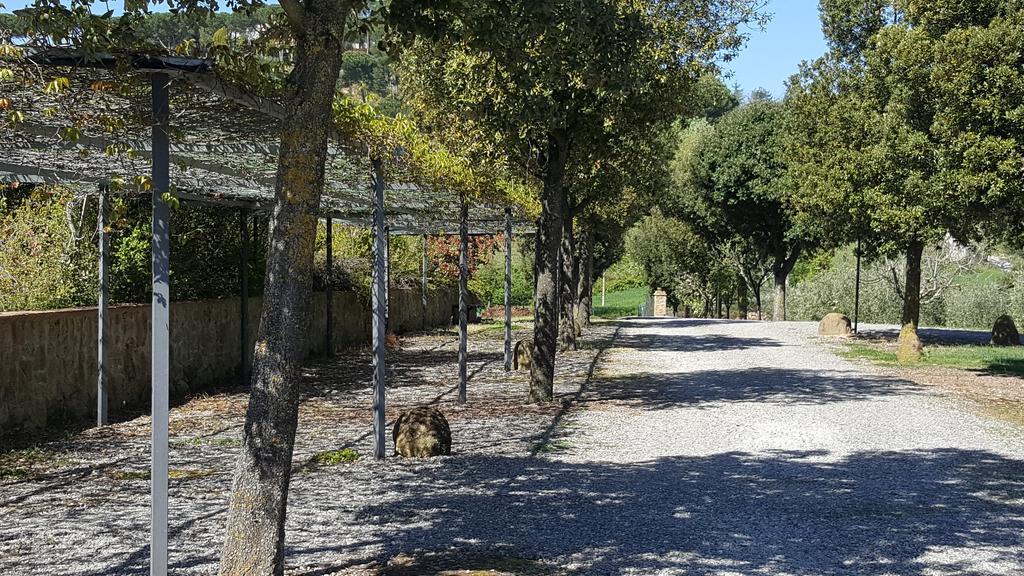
(96, 131)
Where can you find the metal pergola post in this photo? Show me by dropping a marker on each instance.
(508, 289)
(423, 284)
(243, 278)
(856, 293)
(329, 293)
(463, 297)
(387, 278)
(102, 313)
(160, 339)
(378, 296)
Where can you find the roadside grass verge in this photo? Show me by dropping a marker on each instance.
(977, 358)
(619, 304)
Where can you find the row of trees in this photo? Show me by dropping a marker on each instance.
(572, 97)
(907, 130)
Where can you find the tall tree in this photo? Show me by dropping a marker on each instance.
(735, 187)
(886, 130)
(550, 78)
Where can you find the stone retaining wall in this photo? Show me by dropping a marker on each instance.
(48, 360)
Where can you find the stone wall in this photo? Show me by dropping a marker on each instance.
(48, 360)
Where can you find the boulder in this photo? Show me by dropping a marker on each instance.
(1004, 332)
(522, 359)
(421, 433)
(908, 346)
(835, 324)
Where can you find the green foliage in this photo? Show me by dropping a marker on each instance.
(334, 457)
(47, 259)
(488, 282)
(674, 258)
(368, 71)
(730, 180)
(620, 303)
(625, 274)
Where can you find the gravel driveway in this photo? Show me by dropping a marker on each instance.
(694, 447)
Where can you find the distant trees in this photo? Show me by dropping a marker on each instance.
(732, 187)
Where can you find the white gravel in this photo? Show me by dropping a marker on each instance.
(698, 447)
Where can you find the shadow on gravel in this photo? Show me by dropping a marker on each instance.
(658, 391)
(929, 335)
(686, 342)
(870, 514)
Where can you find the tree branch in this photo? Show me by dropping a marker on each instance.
(296, 14)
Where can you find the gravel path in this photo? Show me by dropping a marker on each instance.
(694, 447)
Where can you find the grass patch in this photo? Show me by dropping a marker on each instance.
(173, 473)
(619, 304)
(228, 442)
(553, 446)
(21, 464)
(983, 358)
(129, 474)
(330, 458)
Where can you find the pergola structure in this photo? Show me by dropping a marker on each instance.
(217, 146)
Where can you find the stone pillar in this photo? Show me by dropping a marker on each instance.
(660, 303)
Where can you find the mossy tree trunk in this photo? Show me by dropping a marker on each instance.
(567, 280)
(585, 277)
(547, 245)
(781, 268)
(743, 300)
(254, 543)
(912, 287)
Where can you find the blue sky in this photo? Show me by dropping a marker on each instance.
(769, 58)
(772, 55)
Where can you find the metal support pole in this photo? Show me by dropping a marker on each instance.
(378, 295)
(423, 284)
(102, 313)
(508, 289)
(602, 290)
(160, 339)
(329, 332)
(463, 297)
(243, 276)
(856, 295)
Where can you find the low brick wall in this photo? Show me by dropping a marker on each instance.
(48, 360)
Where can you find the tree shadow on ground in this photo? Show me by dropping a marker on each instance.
(942, 511)
(928, 335)
(707, 388)
(662, 342)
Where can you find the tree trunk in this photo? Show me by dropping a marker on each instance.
(779, 311)
(254, 543)
(545, 300)
(780, 270)
(743, 299)
(585, 282)
(912, 290)
(567, 285)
